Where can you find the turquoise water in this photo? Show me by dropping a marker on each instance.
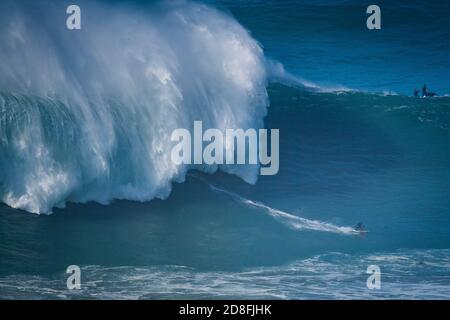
(372, 154)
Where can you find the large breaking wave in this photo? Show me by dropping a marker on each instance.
(87, 115)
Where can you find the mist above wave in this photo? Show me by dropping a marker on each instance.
(87, 115)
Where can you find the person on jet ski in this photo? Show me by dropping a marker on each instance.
(424, 91)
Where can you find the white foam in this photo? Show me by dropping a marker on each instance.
(277, 73)
(292, 221)
(94, 109)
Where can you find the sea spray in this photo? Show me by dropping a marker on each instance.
(87, 115)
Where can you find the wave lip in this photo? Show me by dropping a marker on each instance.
(87, 115)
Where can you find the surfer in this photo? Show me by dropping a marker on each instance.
(416, 93)
(360, 228)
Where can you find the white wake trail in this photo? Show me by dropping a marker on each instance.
(290, 220)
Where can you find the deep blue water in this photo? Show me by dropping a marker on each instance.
(327, 42)
(345, 157)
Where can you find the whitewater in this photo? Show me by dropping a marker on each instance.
(87, 115)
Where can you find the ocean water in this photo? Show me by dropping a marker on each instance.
(85, 171)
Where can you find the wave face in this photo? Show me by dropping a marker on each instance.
(87, 115)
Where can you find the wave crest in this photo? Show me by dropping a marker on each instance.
(87, 115)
